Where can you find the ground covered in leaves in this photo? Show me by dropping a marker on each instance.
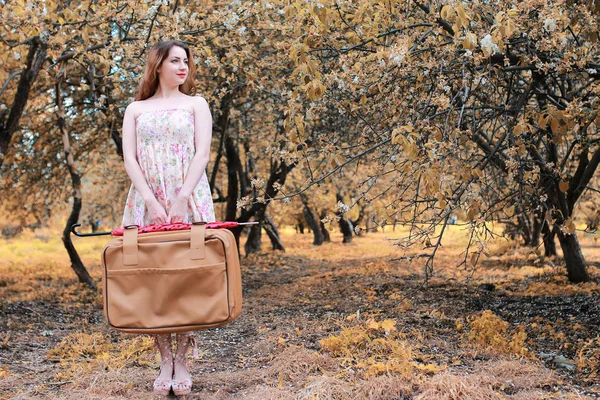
(332, 322)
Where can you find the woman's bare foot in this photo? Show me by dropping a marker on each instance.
(182, 380)
(162, 384)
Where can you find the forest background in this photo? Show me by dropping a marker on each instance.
(464, 133)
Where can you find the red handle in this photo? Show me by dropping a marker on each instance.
(179, 226)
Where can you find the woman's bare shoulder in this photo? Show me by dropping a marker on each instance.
(136, 107)
(189, 97)
(198, 101)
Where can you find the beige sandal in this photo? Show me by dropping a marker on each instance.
(183, 386)
(162, 386)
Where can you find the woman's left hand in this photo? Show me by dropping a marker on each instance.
(178, 210)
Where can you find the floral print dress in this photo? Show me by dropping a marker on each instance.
(165, 148)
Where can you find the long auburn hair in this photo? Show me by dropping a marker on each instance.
(158, 53)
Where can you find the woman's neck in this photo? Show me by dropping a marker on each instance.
(167, 92)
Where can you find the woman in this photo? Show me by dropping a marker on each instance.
(166, 146)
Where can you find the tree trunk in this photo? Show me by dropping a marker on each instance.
(344, 224)
(361, 214)
(311, 221)
(273, 234)
(93, 225)
(116, 136)
(278, 173)
(76, 262)
(253, 243)
(538, 223)
(576, 268)
(324, 231)
(548, 238)
(524, 229)
(233, 162)
(36, 57)
(346, 228)
(371, 225)
(222, 126)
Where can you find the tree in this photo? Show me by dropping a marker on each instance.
(447, 98)
(76, 262)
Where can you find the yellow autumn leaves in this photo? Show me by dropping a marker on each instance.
(559, 121)
(81, 353)
(457, 14)
(503, 28)
(387, 326)
(404, 136)
(376, 348)
(308, 72)
(490, 331)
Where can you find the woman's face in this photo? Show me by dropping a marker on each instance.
(174, 69)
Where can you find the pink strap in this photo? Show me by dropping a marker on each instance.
(155, 347)
(193, 343)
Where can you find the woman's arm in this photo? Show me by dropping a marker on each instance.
(155, 209)
(203, 137)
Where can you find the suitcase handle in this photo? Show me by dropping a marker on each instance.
(130, 243)
(151, 228)
(197, 237)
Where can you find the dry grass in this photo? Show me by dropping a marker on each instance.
(296, 364)
(449, 386)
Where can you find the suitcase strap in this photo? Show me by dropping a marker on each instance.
(197, 237)
(130, 243)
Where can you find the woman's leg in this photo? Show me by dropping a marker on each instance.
(182, 380)
(162, 384)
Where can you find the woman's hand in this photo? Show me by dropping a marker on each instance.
(156, 212)
(179, 209)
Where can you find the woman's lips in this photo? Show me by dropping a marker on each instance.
(181, 75)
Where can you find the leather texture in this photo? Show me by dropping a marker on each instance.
(173, 281)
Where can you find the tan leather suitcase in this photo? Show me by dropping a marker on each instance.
(172, 281)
